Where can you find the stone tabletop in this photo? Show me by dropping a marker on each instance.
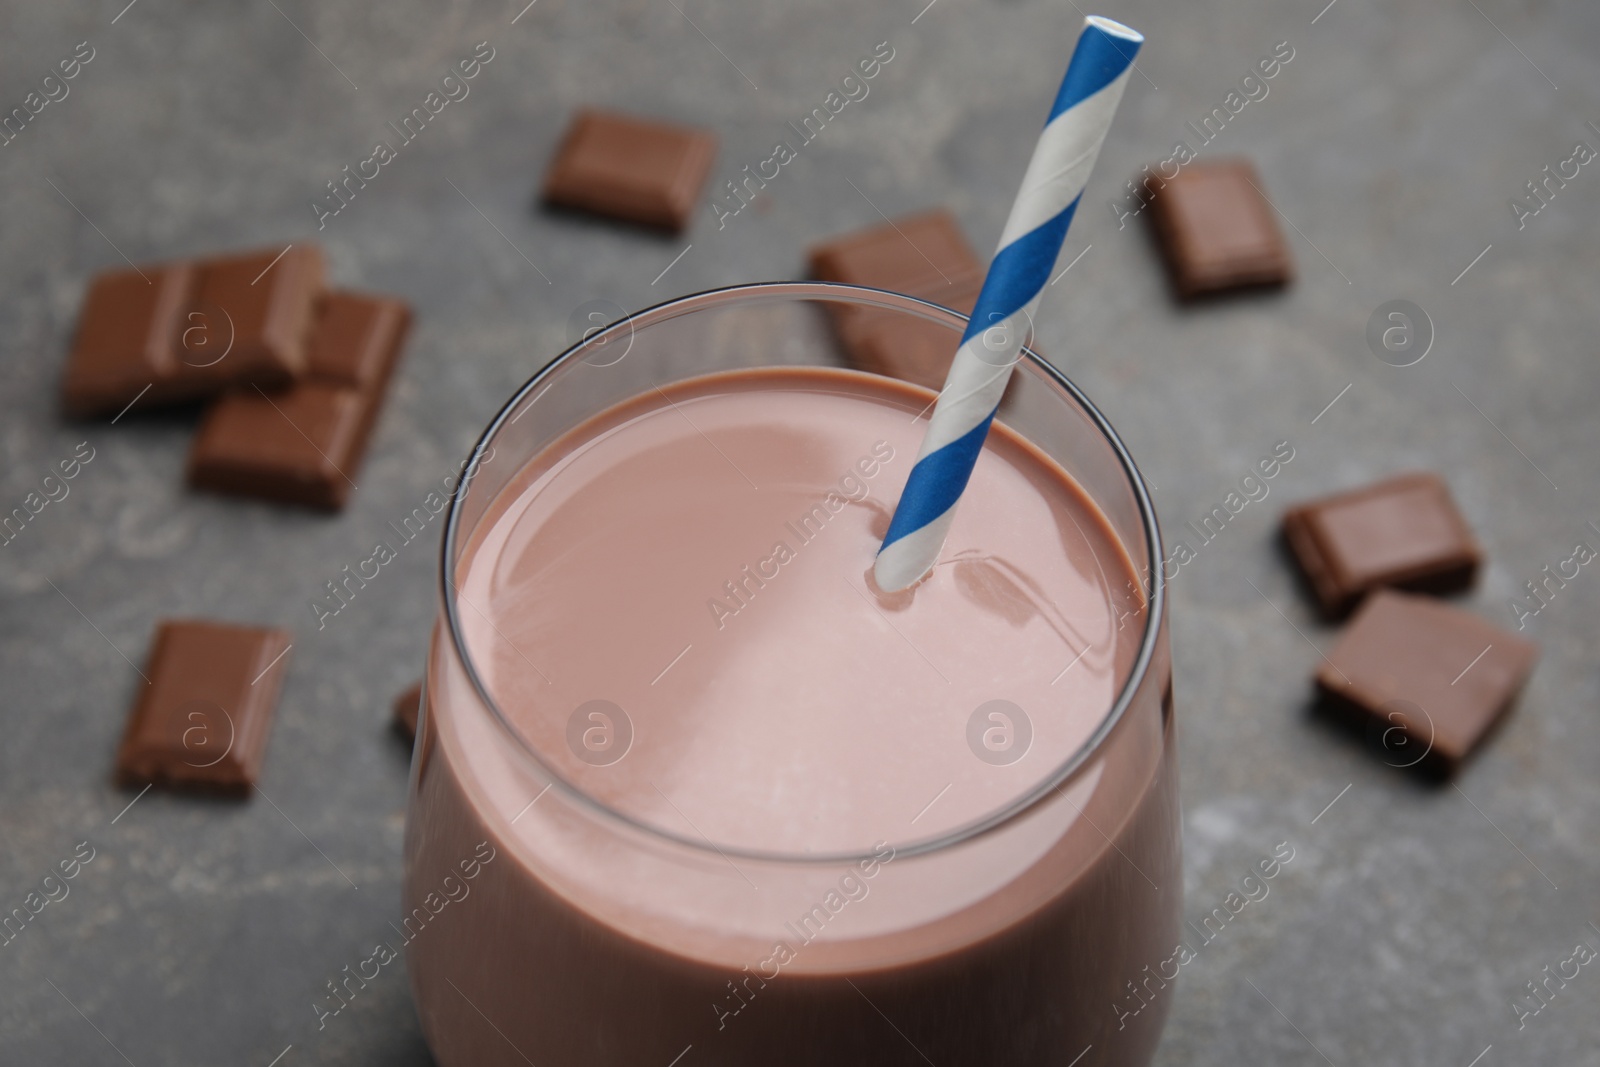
(1395, 142)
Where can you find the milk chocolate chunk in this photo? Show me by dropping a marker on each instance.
(251, 316)
(1404, 532)
(355, 339)
(293, 447)
(186, 331)
(1217, 230)
(203, 720)
(1430, 679)
(127, 339)
(631, 169)
(303, 445)
(406, 707)
(923, 255)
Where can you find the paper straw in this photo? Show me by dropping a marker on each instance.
(1002, 318)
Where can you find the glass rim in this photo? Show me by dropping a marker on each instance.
(764, 292)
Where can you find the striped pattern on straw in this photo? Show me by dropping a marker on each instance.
(1002, 320)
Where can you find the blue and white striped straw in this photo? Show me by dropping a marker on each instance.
(1062, 160)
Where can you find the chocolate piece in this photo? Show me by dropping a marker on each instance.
(303, 445)
(1440, 676)
(406, 706)
(1404, 533)
(1217, 229)
(923, 255)
(203, 720)
(355, 339)
(266, 302)
(293, 447)
(185, 331)
(631, 169)
(127, 340)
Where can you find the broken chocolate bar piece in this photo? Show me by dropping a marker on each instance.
(292, 448)
(1430, 679)
(303, 445)
(186, 331)
(631, 169)
(923, 255)
(203, 719)
(406, 707)
(1404, 533)
(355, 339)
(127, 340)
(1217, 230)
(251, 317)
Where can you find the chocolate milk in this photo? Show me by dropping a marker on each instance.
(744, 807)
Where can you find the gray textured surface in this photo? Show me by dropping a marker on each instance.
(1410, 917)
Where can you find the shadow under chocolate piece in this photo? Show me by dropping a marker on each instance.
(203, 720)
(1217, 230)
(1431, 679)
(923, 255)
(631, 169)
(303, 445)
(185, 331)
(1404, 533)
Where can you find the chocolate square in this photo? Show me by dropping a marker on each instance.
(355, 339)
(1405, 533)
(127, 338)
(632, 169)
(923, 255)
(292, 447)
(406, 707)
(184, 331)
(1440, 676)
(304, 445)
(203, 720)
(266, 302)
(1217, 230)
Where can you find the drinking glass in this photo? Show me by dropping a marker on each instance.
(543, 926)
